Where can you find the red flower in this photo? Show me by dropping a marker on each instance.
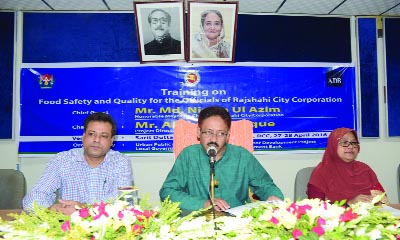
(84, 213)
(102, 211)
(148, 213)
(66, 226)
(137, 229)
(348, 215)
(318, 230)
(136, 212)
(302, 210)
(321, 221)
(298, 210)
(274, 220)
(296, 233)
(120, 214)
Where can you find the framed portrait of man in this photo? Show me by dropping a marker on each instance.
(160, 31)
(212, 31)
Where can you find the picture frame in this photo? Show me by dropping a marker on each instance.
(161, 38)
(200, 36)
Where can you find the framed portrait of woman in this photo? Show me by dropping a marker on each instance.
(212, 31)
(160, 31)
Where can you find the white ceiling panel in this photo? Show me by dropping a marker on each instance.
(257, 6)
(23, 5)
(394, 11)
(309, 6)
(120, 5)
(77, 5)
(362, 7)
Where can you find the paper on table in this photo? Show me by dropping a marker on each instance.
(237, 211)
(5, 228)
(394, 211)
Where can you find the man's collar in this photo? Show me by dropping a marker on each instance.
(162, 38)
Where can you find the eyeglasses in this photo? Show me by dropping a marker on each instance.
(347, 144)
(93, 134)
(210, 133)
(157, 20)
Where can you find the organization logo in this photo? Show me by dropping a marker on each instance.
(334, 78)
(46, 81)
(192, 78)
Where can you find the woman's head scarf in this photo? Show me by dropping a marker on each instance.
(338, 179)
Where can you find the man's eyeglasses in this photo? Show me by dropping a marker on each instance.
(161, 20)
(210, 133)
(347, 144)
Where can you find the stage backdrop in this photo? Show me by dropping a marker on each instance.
(292, 107)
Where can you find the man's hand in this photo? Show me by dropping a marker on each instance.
(67, 207)
(219, 204)
(273, 198)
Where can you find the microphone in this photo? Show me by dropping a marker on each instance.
(212, 151)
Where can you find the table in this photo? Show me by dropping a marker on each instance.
(394, 205)
(4, 213)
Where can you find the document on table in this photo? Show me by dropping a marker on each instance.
(237, 211)
(394, 211)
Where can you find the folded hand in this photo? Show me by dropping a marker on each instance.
(66, 207)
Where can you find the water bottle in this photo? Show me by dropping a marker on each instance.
(131, 195)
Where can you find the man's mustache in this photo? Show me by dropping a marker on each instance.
(213, 144)
(159, 28)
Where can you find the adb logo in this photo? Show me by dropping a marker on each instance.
(334, 78)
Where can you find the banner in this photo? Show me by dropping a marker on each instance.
(291, 107)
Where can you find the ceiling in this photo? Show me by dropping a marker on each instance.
(308, 7)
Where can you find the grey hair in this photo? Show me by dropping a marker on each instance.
(206, 12)
(159, 10)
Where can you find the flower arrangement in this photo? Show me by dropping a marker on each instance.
(302, 220)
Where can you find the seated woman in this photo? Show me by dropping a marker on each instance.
(339, 176)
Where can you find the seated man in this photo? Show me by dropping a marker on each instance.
(84, 175)
(236, 169)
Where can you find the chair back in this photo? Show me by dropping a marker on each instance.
(398, 181)
(300, 183)
(12, 189)
(185, 134)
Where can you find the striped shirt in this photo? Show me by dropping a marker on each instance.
(70, 174)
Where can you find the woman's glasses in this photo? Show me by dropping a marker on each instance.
(347, 144)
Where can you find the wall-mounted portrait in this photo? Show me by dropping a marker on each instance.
(212, 31)
(160, 31)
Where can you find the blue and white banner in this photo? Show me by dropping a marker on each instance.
(291, 107)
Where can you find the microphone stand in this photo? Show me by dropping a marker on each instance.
(212, 183)
(212, 188)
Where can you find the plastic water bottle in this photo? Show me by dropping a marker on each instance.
(130, 195)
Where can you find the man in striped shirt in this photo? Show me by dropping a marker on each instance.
(83, 175)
